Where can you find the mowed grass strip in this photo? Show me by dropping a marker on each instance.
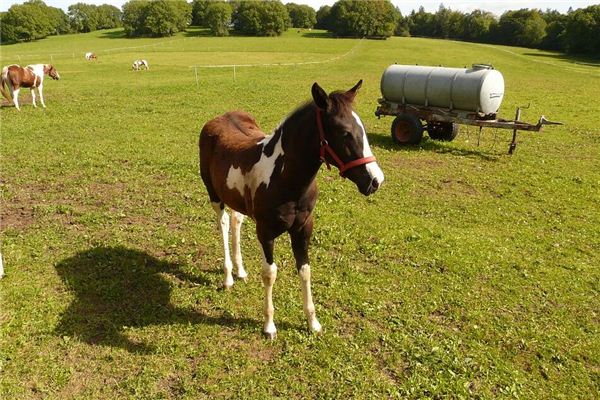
(469, 274)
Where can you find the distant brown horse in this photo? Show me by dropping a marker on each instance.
(271, 179)
(14, 77)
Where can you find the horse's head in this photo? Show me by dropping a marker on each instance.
(51, 71)
(344, 139)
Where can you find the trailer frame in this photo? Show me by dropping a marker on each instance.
(441, 116)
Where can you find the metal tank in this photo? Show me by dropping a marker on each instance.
(478, 89)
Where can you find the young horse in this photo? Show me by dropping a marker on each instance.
(91, 56)
(15, 77)
(138, 64)
(271, 179)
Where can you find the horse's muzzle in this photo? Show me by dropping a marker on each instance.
(371, 188)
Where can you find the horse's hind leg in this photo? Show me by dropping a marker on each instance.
(40, 91)
(15, 94)
(223, 221)
(236, 220)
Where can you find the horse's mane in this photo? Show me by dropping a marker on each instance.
(341, 102)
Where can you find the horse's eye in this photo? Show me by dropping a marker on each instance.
(347, 134)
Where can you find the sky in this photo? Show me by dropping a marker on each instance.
(405, 6)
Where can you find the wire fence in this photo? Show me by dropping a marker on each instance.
(167, 45)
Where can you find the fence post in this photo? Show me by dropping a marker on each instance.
(196, 72)
(234, 73)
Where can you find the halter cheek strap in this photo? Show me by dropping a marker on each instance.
(325, 148)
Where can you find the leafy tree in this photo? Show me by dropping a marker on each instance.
(59, 20)
(155, 17)
(199, 12)
(160, 20)
(182, 13)
(108, 17)
(266, 18)
(218, 18)
(83, 17)
(376, 18)
(448, 23)
(302, 16)
(324, 18)
(523, 27)
(477, 26)
(582, 31)
(402, 26)
(422, 23)
(31, 20)
(134, 17)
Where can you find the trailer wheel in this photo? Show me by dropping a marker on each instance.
(442, 130)
(407, 129)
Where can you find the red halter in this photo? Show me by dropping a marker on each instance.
(343, 167)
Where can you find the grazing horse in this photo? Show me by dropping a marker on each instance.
(271, 179)
(91, 56)
(138, 64)
(14, 77)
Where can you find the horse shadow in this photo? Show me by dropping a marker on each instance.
(116, 288)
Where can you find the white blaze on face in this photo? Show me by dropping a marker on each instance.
(261, 171)
(372, 167)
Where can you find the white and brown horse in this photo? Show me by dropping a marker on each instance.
(15, 77)
(139, 64)
(91, 56)
(271, 179)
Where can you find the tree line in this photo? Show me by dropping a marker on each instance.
(34, 20)
(576, 31)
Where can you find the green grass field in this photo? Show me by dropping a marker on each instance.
(470, 274)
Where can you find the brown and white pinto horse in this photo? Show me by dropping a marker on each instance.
(14, 77)
(271, 179)
(139, 64)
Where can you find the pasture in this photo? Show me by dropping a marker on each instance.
(469, 274)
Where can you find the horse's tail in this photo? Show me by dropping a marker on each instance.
(5, 84)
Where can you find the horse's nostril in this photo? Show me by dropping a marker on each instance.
(375, 183)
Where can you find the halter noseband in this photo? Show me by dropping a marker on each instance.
(324, 147)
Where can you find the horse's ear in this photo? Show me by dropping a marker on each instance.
(352, 92)
(320, 97)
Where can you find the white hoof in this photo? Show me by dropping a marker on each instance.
(242, 274)
(270, 335)
(270, 331)
(228, 283)
(315, 327)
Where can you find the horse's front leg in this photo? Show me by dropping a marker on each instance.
(300, 240)
(33, 97)
(40, 91)
(269, 275)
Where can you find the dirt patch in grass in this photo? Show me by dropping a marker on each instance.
(18, 218)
